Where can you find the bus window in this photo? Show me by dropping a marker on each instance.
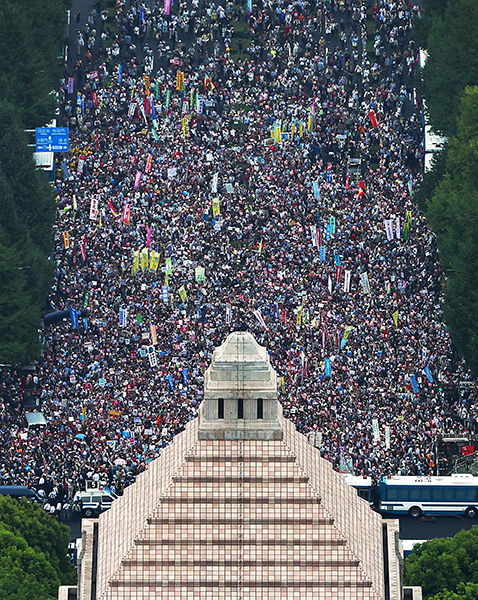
(392, 493)
(448, 494)
(415, 493)
(426, 494)
(460, 494)
(437, 494)
(471, 494)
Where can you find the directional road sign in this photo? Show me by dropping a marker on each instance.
(52, 139)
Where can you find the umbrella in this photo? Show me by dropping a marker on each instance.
(80, 436)
(120, 461)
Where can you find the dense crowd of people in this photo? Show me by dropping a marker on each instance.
(268, 187)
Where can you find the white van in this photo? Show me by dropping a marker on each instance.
(94, 502)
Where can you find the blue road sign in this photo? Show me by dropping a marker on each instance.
(52, 139)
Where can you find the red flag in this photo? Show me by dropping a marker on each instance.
(112, 208)
(347, 185)
(338, 273)
(466, 450)
(373, 118)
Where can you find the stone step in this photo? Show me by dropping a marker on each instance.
(208, 520)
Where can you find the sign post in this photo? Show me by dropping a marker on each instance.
(52, 139)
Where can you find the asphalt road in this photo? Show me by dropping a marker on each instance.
(423, 529)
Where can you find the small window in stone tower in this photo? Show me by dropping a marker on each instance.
(240, 408)
(260, 412)
(220, 408)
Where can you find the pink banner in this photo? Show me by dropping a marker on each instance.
(148, 239)
(167, 6)
(137, 180)
(126, 214)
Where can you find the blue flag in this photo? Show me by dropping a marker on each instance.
(413, 381)
(170, 381)
(429, 375)
(74, 318)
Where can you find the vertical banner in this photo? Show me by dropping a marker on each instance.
(144, 259)
(389, 229)
(347, 281)
(338, 274)
(120, 73)
(216, 210)
(373, 118)
(153, 360)
(149, 163)
(165, 294)
(365, 283)
(126, 213)
(428, 374)
(376, 430)
(397, 228)
(81, 164)
(74, 318)
(71, 83)
(167, 6)
(316, 190)
(66, 239)
(228, 314)
(169, 268)
(387, 437)
(185, 377)
(154, 261)
(182, 293)
(313, 234)
(413, 381)
(215, 180)
(154, 336)
(327, 367)
(123, 316)
(137, 179)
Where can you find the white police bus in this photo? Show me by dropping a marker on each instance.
(400, 495)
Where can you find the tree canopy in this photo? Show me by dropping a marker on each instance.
(33, 552)
(31, 39)
(446, 568)
(26, 241)
(453, 216)
(452, 63)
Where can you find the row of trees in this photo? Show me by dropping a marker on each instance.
(33, 552)
(449, 193)
(31, 39)
(446, 568)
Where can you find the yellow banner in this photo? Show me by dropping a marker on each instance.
(182, 293)
(66, 239)
(216, 210)
(395, 318)
(169, 269)
(154, 261)
(135, 266)
(144, 259)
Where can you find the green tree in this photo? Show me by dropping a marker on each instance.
(452, 62)
(31, 39)
(453, 216)
(444, 567)
(33, 552)
(26, 241)
(42, 533)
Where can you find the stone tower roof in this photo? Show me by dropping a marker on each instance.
(240, 518)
